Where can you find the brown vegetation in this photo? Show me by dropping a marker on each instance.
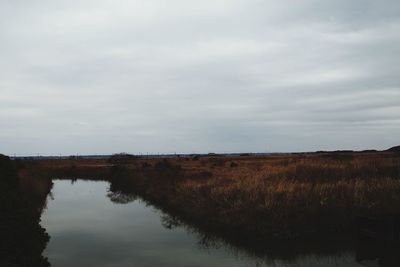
(280, 196)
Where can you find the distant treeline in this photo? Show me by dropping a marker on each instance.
(175, 155)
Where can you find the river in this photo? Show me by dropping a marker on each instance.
(89, 227)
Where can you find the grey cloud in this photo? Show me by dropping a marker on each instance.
(103, 77)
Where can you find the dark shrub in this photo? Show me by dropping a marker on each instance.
(217, 162)
(234, 164)
(165, 165)
(121, 158)
(206, 174)
(146, 165)
(8, 174)
(395, 149)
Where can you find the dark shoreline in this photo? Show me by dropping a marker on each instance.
(22, 239)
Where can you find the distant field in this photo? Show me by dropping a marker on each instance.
(252, 196)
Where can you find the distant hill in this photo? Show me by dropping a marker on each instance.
(394, 149)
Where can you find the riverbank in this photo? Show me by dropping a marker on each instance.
(22, 239)
(254, 197)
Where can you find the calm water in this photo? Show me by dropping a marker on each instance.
(88, 229)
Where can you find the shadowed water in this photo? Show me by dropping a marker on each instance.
(88, 229)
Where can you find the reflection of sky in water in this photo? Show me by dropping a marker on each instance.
(87, 229)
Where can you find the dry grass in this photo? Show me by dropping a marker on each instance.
(280, 195)
(295, 194)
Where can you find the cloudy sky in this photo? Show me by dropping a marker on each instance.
(102, 76)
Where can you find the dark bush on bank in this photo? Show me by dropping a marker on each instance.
(165, 165)
(121, 158)
(146, 165)
(234, 164)
(8, 174)
(206, 174)
(217, 162)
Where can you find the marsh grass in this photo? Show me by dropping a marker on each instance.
(279, 196)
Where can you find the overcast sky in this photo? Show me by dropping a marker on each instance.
(102, 76)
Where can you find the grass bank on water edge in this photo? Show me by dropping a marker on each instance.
(254, 197)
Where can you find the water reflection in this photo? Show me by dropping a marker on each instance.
(89, 227)
(121, 198)
(372, 253)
